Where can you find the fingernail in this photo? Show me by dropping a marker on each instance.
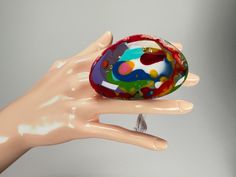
(105, 39)
(184, 105)
(160, 144)
(177, 45)
(194, 78)
(191, 80)
(180, 46)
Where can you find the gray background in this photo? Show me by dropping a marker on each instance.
(33, 34)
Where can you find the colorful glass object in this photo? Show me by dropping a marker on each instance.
(138, 67)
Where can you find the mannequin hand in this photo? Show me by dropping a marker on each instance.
(63, 107)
